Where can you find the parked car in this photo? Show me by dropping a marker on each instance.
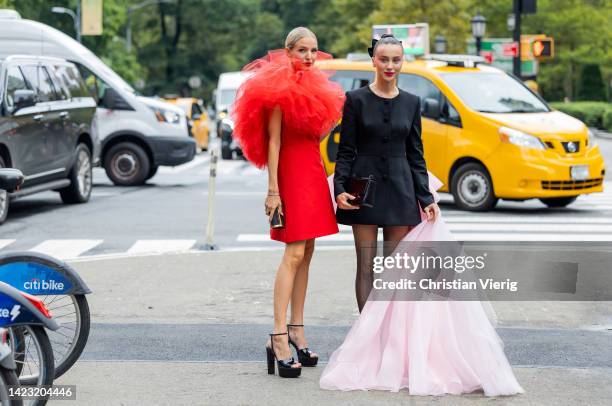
(48, 128)
(197, 118)
(486, 135)
(138, 134)
(224, 96)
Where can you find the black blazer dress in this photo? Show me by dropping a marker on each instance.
(382, 137)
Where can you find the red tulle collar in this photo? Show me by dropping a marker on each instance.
(278, 58)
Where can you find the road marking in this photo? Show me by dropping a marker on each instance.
(5, 243)
(65, 249)
(199, 160)
(160, 246)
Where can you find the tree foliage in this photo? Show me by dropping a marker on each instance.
(172, 42)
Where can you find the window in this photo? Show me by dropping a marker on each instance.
(14, 81)
(196, 110)
(494, 93)
(39, 79)
(419, 86)
(350, 80)
(71, 80)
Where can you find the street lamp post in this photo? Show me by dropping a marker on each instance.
(479, 25)
(130, 10)
(440, 44)
(76, 18)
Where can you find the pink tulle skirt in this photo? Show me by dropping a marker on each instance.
(428, 347)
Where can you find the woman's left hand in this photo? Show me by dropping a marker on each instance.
(432, 211)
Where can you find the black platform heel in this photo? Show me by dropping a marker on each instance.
(285, 366)
(304, 354)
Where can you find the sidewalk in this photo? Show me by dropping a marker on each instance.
(190, 329)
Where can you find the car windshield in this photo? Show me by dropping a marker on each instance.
(494, 93)
(227, 96)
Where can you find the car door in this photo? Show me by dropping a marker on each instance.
(434, 130)
(25, 138)
(52, 158)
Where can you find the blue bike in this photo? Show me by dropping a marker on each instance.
(26, 318)
(58, 285)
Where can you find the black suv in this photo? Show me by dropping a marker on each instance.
(47, 128)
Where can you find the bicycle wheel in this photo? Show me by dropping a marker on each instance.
(34, 357)
(68, 342)
(8, 378)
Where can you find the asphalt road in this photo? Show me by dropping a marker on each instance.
(169, 213)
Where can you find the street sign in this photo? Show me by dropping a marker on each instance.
(503, 50)
(91, 17)
(414, 37)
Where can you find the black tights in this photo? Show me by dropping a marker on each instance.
(365, 248)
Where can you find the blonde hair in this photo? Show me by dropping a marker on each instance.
(297, 34)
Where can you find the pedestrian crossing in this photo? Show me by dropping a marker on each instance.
(584, 220)
(66, 249)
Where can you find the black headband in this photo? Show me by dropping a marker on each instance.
(374, 41)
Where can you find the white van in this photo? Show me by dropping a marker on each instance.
(138, 134)
(225, 94)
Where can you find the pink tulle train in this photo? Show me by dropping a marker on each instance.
(428, 347)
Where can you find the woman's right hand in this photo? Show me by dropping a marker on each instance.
(342, 201)
(272, 202)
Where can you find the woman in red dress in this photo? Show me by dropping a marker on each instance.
(280, 113)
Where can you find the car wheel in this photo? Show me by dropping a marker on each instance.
(4, 199)
(558, 201)
(152, 172)
(127, 164)
(472, 188)
(81, 178)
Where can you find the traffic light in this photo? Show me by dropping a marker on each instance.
(543, 48)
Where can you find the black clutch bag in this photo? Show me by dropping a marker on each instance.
(363, 189)
(277, 220)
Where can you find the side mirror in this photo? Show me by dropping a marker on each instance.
(431, 109)
(23, 98)
(109, 99)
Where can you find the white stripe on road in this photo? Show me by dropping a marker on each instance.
(65, 249)
(160, 246)
(5, 243)
(460, 236)
(199, 160)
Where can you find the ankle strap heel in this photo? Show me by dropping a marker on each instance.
(304, 354)
(285, 366)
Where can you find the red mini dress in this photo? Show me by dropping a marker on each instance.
(311, 105)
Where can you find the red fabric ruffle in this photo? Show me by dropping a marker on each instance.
(310, 103)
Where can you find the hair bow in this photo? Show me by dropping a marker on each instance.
(371, 49)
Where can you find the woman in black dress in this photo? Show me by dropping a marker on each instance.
(381, 136)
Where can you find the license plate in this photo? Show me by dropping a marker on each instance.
(579, 172)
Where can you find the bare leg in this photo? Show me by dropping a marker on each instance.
(283, 290)
(299, 297)
(365, 248)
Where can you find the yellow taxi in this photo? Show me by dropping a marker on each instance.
(486, 135)
(197, 119)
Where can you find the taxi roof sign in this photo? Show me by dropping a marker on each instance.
(414, 37)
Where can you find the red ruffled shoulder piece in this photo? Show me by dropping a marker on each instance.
(311, 104)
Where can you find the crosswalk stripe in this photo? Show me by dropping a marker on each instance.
(199, 160)
(160, 246)
(462, 236)
(65, 249)
(5, 243)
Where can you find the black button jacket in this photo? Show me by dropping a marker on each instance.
(382, 137)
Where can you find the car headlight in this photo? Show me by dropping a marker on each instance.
(591, 141)
(516, 137)
(166, 116)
